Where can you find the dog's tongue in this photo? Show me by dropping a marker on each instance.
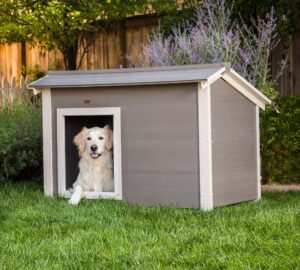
(94, 155)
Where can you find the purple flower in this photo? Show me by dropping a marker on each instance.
(216, 37)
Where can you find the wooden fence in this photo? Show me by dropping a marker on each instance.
(109, 49)
(127, 38)
(288, 84)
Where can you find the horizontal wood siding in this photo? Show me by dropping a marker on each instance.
(159, 138)
(233, 146)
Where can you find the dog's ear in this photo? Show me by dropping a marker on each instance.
(79, 140)
(108, 138)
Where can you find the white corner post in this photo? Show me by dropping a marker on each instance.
(205, 146)
(258, 154)
(47, 142)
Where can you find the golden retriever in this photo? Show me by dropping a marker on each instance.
(95, 165)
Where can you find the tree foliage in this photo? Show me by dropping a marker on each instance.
(287, 13)
(63, 24)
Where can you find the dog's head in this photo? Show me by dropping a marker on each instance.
(94, 141)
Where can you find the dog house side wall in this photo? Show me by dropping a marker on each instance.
(159, 134)
(234, 145)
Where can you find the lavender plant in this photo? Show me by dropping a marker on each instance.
(217, 37)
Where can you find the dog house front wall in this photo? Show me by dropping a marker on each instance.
(159, 134)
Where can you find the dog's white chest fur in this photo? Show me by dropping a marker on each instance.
(95, 175)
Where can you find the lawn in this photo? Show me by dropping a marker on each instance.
(37, 232)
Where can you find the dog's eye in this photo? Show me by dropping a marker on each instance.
(89, 138)
(101, 138)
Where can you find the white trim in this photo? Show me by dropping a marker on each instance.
(47, 142)
(36, 91)
(246, 89)
(93, 195)
(61, 154)
(205, 147)
(258, 154)
(179, 74)
(61, 158)
(244, 81)
(211, 79)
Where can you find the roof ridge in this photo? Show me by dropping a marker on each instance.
(143, 69)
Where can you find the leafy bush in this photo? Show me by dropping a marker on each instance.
(20, 142)
(218, 37)
(280, 142)
(33, 74)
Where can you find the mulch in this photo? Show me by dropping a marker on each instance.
(276, 187)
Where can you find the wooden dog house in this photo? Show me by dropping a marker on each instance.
(184, 135)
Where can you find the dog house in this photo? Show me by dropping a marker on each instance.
(184, 135)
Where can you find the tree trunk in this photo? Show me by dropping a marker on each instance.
(70, 56)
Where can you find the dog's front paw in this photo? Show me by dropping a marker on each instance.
(76, 196)
(74, 200)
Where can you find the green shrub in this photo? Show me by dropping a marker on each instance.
(280, 142)
(20, 142)
(33, 73)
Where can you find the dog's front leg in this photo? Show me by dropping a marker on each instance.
(76, 196)
(98, 186)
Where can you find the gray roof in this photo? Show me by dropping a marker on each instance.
(206, 74)
(130, 76)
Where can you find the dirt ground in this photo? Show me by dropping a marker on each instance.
(274, 187)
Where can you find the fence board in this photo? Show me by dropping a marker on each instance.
(16, 59)
(296, 63)
(288, 84)
(1, 94)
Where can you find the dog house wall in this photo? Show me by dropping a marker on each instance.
(159, 134)
(234, 146)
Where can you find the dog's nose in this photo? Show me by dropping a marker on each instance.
(94, 147)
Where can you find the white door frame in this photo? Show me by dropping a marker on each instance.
(115, 112)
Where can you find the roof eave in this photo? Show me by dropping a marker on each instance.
(248, 90)
(34, 85)
(44, 83)
(225, 72)
(39, 87)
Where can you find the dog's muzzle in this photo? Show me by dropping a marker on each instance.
(94, 154)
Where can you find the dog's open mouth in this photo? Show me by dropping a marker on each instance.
(95, 155)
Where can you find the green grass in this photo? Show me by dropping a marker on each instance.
(37, 232)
